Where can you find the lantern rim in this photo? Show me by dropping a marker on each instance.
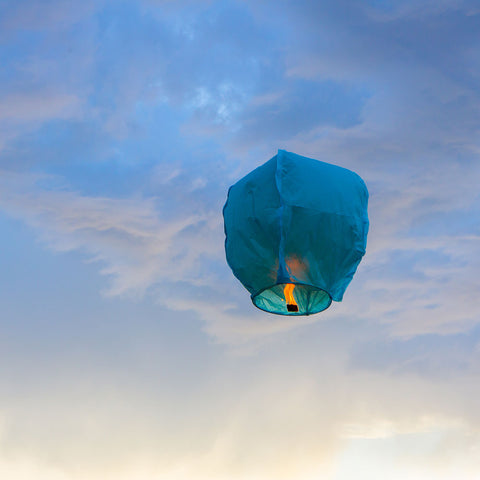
(313, 288)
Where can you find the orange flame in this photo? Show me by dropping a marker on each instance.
(288, 292)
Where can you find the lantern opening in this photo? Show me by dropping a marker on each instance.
(292, 299)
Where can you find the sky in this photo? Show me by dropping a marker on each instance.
(128, 350)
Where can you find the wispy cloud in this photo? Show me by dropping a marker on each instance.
(126, 235)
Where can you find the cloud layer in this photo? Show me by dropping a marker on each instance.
(121, 127)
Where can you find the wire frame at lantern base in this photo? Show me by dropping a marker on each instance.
(309, 299)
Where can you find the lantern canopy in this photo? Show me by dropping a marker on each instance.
(296, 230)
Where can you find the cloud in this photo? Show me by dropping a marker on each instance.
(145, 112)
(430, 355)
(303, 106)
(362, 44)
(419, 276)
(126, 235)
(248, 427)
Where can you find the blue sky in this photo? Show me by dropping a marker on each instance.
(128, 350)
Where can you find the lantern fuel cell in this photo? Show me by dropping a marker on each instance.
(289, 298)
(296, 230)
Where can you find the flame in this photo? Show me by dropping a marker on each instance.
(288, 292)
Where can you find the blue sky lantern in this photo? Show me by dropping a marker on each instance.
(296, 230)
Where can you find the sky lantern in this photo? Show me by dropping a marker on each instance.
(296, 230)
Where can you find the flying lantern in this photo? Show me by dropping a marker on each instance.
(296, 230)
